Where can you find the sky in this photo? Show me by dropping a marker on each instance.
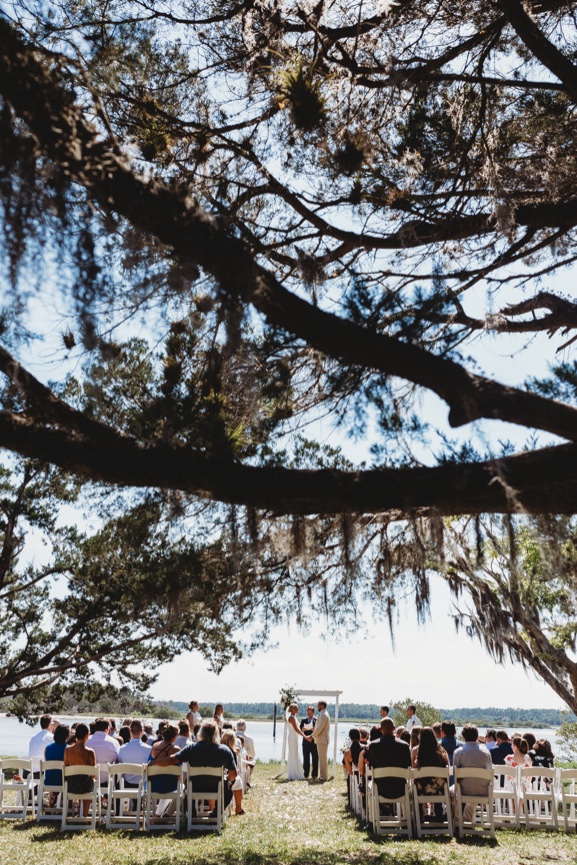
(429, 663)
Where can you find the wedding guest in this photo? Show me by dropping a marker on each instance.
(79, 754)
(502, 749)
(449, 739)
(438, 731)
(184, 738)
(430, 753)
(39, 741)
(161, 754)
(542, 755)
(124, 734)
(193, 715)
(248, 740)
(472, 755)
(219, 715)
(55, 751)
(412, 718)
(415, 739)
(388, 751)
(135, 751)
(105, 747)
(208, 751)
(229, 739)
(530, 739)
(490, 739)
(520, 753)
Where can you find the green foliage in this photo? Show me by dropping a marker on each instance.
(426, 713)
(567, 741)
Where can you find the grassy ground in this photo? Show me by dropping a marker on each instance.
(285, 824)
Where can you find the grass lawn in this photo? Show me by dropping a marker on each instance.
(285, 824)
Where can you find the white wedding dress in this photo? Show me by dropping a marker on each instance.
(294, 770)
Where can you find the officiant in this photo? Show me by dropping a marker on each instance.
(310, 752)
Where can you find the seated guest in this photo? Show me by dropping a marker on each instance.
(430, 753)
(229, 739)
(79, 754)
(490, 740)
(542, 755)
(472, 755)
(39, 741)
(415, 739)
(208, 751)
(55, 751)
(124, 734)
(364, 736)
(449, 739)
(104, 746)
(193, 715)
(400, 730)
(184, 738)
(520, 753)
(438, 731)
(530, 739)
(502, 749)
(149, 733)
(135, 751)
(162, 754)
(249, 745)
(350, 763)
(386, 752)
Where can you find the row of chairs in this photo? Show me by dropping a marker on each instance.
(133, 808)
(529, 797)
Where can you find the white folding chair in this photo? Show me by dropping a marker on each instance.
(507, 803)
(20, 799)
(539, 791)
(399, 820)
(121, 797)
(206, 817)
(170, 818)
(480, 806)
(70, 820)
(568, 789)
(44, 810)
(356, 798)
(421, 800)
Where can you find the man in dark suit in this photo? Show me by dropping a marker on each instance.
(502, 750)
(310, 751)
(387, 752)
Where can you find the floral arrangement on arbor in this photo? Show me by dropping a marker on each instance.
(287, 695)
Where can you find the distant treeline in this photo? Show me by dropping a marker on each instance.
(483, 717)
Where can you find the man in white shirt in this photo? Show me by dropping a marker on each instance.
(39, 741)
(105, 747)
(413, 720)
(135, 751)
(248, 741)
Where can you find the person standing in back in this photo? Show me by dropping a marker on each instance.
(321, 738)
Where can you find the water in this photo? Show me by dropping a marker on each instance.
(14, 737)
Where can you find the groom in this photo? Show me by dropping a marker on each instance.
(320, 737)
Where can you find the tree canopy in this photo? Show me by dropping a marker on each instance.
(316, 206)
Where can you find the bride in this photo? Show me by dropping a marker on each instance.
(294, 768)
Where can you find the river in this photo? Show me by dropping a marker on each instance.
(14, 737)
